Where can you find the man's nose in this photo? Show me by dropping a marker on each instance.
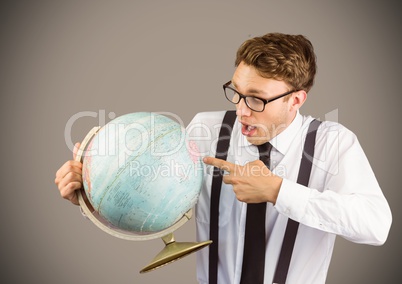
(242, 109)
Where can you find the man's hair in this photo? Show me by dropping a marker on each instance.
(289, 58)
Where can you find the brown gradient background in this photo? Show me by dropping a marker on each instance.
(59, 58)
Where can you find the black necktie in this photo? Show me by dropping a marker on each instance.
(254, 240)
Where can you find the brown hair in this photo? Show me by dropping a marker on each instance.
(289, 58)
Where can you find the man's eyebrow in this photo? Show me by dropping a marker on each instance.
(251, 91)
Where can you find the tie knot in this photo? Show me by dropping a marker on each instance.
(264, 149)
(265, 152)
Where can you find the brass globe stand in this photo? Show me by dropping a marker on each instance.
(172, 251)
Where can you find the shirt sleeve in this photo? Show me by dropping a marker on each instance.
(343, 197)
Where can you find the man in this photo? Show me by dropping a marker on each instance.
(273, 75)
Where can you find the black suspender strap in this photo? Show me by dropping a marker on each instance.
(222, 149)
(292, 226)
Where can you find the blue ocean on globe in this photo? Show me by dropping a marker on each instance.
(141, 173)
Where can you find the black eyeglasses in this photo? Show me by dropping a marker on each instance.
(254, 103)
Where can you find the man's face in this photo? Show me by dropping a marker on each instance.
(260, 127)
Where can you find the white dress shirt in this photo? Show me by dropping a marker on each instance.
(343, 198)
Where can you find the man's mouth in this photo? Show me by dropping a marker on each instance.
(248, 130)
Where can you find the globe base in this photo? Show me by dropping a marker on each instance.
(173, 251)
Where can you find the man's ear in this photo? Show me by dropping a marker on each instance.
(297, 100)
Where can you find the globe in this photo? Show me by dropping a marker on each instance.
(141, 173)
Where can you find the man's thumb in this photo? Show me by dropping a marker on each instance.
(76, 147)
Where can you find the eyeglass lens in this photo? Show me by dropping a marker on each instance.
(252, 102)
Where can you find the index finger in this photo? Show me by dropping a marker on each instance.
(219, 163)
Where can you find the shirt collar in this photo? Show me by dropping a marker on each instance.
(282, 141)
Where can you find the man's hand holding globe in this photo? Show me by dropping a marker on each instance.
(69, 178)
